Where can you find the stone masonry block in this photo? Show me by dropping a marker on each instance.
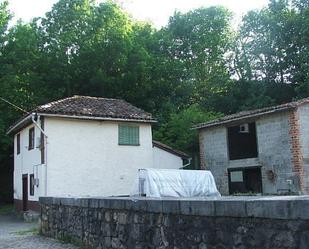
(230, 208)
(118, 203)
(299, 209)
(269, 209)
(136, 205)
(171, 206)
(104, 203)
(205, 208)
(154, 206)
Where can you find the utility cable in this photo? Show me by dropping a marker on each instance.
(15, 106)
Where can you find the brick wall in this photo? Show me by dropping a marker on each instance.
(296, 148)
(303, 115)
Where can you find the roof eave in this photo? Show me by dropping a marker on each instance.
(21, 124)
(172, 151)
(85, 117)
(225, 122)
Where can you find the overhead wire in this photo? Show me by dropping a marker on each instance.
(12, 104)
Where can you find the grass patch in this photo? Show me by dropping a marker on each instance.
(66, 239)
(33, 231)
(7, 208)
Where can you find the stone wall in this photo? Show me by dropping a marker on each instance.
(278, 150)
(214, 155)
(275, 153)
(225, 223)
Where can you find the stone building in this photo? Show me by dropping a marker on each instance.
(261, 151)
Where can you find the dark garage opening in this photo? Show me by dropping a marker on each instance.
(245, 180)
(242, 141)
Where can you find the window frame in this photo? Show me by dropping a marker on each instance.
(31, 180)
(120, 141)
(18, 144)
(31, 138)
(230, 136)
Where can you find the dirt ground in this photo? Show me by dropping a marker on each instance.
(17, 234)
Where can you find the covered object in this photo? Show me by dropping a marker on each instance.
(175, 183)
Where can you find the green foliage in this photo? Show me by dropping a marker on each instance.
(273, 46)
(6, 209)
(5, 16)
(197, 42)
(32, 231)
(177, 131)
(193, 70)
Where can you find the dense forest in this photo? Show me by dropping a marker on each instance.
(196, 68)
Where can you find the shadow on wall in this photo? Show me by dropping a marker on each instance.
(6, 181)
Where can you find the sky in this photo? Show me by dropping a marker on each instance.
(155, 11)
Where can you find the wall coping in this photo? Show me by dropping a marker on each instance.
(268, 207)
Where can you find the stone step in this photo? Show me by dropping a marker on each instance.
(31, 216)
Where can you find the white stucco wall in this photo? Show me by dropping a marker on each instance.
(165, 160)
(84, 158)
(28, 162)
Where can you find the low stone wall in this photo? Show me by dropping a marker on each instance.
(225, 223)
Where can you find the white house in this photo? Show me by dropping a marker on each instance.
(84, 146)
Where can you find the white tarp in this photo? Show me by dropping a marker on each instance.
(175, 183)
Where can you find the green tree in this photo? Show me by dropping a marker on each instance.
(5, 16)
(178, 133)
(273, 44)
(199, 41)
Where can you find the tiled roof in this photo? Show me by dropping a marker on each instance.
(86, 107)
(251, 114)
(95, 107)
(170, 149)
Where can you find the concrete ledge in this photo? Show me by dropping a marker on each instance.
(278, 207)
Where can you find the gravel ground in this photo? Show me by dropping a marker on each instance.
(17, 234)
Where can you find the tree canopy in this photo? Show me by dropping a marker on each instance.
(196, 68)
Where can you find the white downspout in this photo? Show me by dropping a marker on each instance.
(37, 125)
(45, 146)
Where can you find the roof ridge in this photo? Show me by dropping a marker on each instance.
(54, 102)
(73, 97)
(249, 113)
(92, 97)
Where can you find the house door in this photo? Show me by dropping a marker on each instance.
(245, 180)
(25, 192)
(253, 180)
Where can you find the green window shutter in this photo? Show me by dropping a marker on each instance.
(128, 135)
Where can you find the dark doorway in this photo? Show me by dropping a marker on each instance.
(245, 180)
(242, 141)
(25, 192)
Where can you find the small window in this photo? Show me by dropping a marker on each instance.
(18, 144)
(236, 176)
(31, 139)
(244, 128)
(242, 141)
(32, 184)
(128, 135)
